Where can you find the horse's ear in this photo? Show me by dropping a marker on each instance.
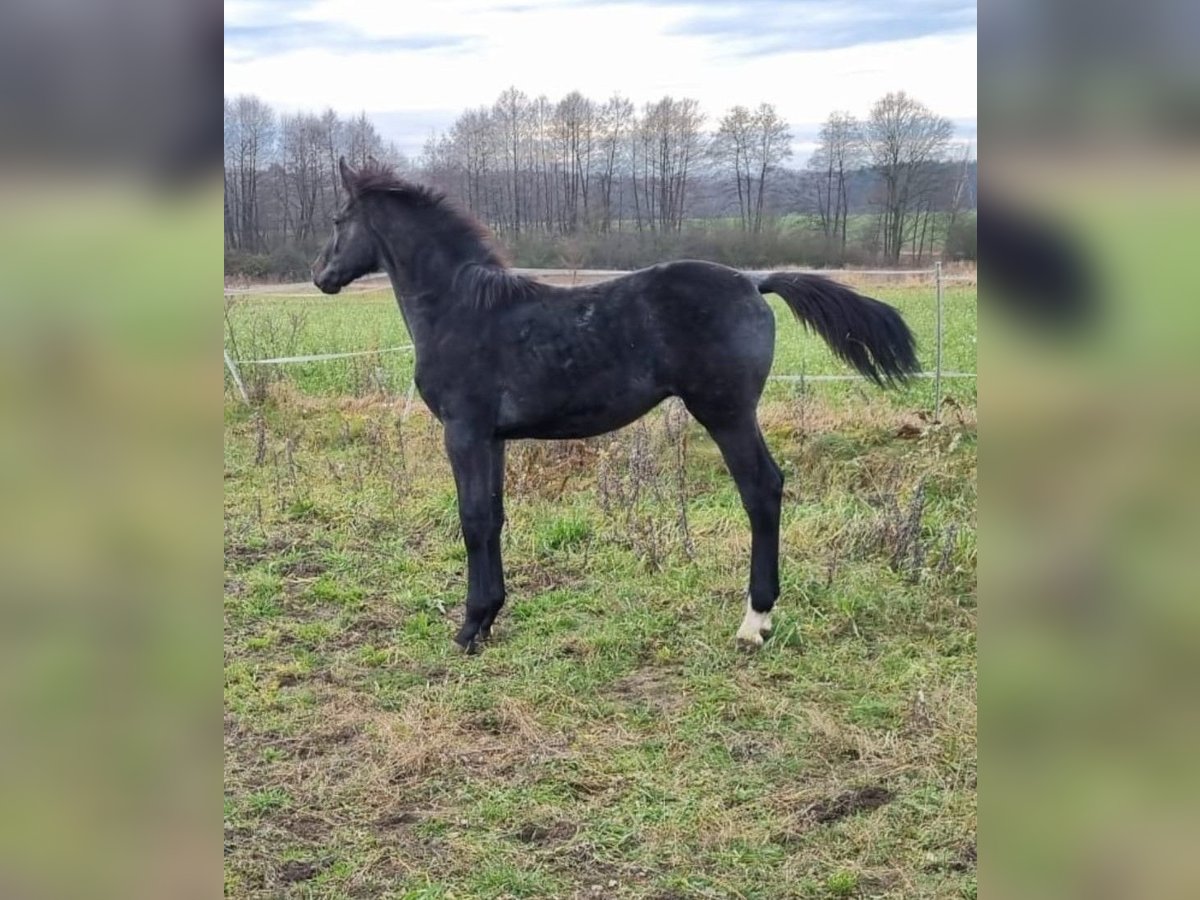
(347, 175)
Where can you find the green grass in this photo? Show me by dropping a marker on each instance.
(611, 741)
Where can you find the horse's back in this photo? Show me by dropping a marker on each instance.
(713, 332)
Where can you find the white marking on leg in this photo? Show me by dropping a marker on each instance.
(753, 626)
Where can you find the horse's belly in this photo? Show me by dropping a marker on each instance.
(583, 414)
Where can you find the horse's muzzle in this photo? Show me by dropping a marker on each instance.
(326, 282)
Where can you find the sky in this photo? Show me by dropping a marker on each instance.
(414, 65)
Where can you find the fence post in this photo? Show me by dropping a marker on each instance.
(237, 378)
(412, 386)
(937, 363)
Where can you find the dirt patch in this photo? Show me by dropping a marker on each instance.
(297, 870)
(850, 803)
(399, 817)
(535, 578)
(363, 631)
(592, 876)
(962, 858)
(305, 567)
(235, 837)
(966, 860)
(658, 689)
(340, 734)
(309, 829)
(552, 833)
(246, 555)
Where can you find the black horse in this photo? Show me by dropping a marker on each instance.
(499, 356)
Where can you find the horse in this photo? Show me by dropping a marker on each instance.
(502, 357)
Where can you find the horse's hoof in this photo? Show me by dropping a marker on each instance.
(754, 626)
(750, 642)
(470, 648)
(468, 640)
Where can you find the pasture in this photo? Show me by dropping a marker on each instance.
(611, 741)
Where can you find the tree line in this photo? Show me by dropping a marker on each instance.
(581, 182)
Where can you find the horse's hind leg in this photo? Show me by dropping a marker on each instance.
(760, 483)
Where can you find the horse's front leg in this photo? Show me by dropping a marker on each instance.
(496, 575)
(472, 457)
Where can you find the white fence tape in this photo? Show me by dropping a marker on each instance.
(863, 377)
(317, 357)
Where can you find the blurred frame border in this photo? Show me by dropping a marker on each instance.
(110, 247)
(1089, 579)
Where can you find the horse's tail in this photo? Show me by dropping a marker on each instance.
(869, 335)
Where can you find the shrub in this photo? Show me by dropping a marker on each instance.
(961, 241)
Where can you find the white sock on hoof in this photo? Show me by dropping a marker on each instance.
(753, 626)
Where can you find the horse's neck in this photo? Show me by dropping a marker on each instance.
(423, 282)
(424, 296)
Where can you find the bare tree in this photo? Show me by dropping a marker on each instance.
(471, 136)
(574, 122)
(231, 229)
(771, 146)
(362, 141)
(904, 139)
(302, 146)
(253, 136)
(668, 141)
(731, 148)
(753, 143)
(839, 152)
(961, 187)
(573, 165)
(614, 122)
(509, 113)
(331, 142)
(545, 177)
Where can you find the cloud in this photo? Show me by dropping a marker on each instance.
(762, 27)
(420, 62)
(261, 41)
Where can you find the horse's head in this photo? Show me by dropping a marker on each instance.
(350, 252)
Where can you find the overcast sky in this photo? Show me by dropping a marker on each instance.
(414, 65)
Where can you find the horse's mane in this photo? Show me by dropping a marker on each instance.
(484, 280)
(489, 285)
(377, 178)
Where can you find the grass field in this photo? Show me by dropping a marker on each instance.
(611, 741)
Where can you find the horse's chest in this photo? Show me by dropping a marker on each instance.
(433, 389)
